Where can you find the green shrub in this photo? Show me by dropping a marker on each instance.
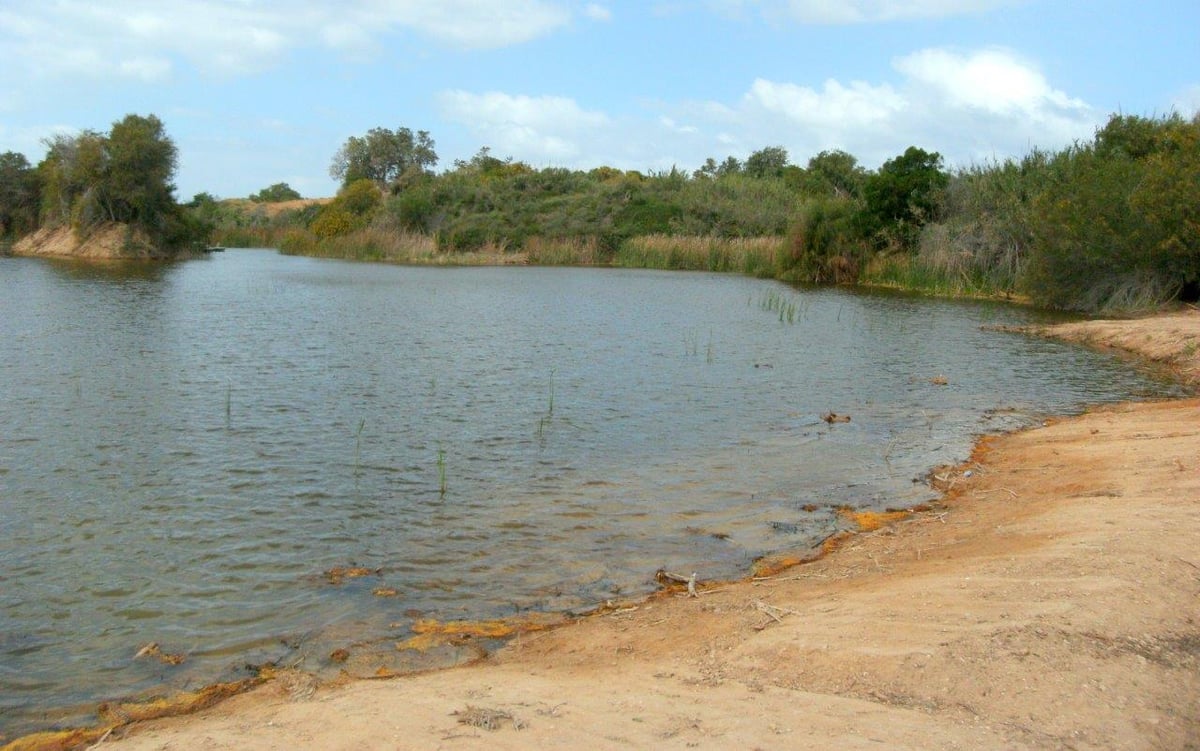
(332, 221)
(824, 244)
(1117, 229)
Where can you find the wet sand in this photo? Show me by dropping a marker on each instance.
(1050, 600)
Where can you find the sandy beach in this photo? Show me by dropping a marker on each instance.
(1049, 600)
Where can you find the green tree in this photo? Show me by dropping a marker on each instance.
(73, 165)
(902, 196)
(1117, 228)
(123, 176)
(276, 193)
(383, 156)
(731, 166)
(710, 168)
(1137, 137)
(19, 195)
(707, 170)
(835, 173)
(135, 181)
(768, 162)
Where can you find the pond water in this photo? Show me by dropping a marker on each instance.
(188, 448)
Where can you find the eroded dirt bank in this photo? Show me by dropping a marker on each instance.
(108, 242)
(1051, 600)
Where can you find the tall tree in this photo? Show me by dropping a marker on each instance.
(768, 162)
(383, 156)
(903, 195)
(73, 165)
(136, 182)
(835, 172)
(19, 197)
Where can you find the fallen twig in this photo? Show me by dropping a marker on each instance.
(103, 738)
(993, 490)
(690, 581)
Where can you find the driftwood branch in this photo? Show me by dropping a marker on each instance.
(690, 581)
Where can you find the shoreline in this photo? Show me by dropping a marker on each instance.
(1044, 602)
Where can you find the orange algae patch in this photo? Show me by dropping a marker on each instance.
(869, 521)
(771, 565)
(177, 704)
(57, 740)
(431, 632)
(116, 714)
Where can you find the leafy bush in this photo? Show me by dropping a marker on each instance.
(901, 197)
(1117, 228)
(332, 221)
(824, 243)
(275, 193)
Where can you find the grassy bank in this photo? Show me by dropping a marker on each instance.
(1110, 226)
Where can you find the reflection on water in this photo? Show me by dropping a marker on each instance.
(187, 448)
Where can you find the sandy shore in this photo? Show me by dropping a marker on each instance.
(1051, 600)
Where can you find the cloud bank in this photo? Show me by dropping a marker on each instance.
(147, 39)
(839, 12)
(971, 106)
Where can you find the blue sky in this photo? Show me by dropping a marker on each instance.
(256, 92)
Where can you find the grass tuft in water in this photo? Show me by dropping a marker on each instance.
(441, 466)
(358, 443)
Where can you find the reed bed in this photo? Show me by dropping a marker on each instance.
(754, 256)
(564, 251)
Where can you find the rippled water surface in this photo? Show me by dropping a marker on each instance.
(187, 448)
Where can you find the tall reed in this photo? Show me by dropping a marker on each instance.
(754, 256)
(441, 467)
(564, 251)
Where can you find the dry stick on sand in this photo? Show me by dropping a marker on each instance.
(488, 719)
(690, 581)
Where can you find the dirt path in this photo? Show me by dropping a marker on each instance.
(1051, 600)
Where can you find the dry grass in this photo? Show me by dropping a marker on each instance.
(488, 719)
(272, 209)
(567, 251)
(758, 256)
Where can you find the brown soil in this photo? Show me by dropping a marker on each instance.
(107, 242)
(1051, 600)
(273, 209)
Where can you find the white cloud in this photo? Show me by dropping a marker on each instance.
(970, 106)
(140, 39)
(670, 125)
(597, 12)
(538, 129)
(859, 11)
(1187, 102)
(855, 106)
(147, 69)
(992, 80)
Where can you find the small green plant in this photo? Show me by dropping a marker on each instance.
(441, 467)
(784, 306)
(358, 442)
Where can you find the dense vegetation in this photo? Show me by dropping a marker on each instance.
(86, 180)
(1110, 225)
